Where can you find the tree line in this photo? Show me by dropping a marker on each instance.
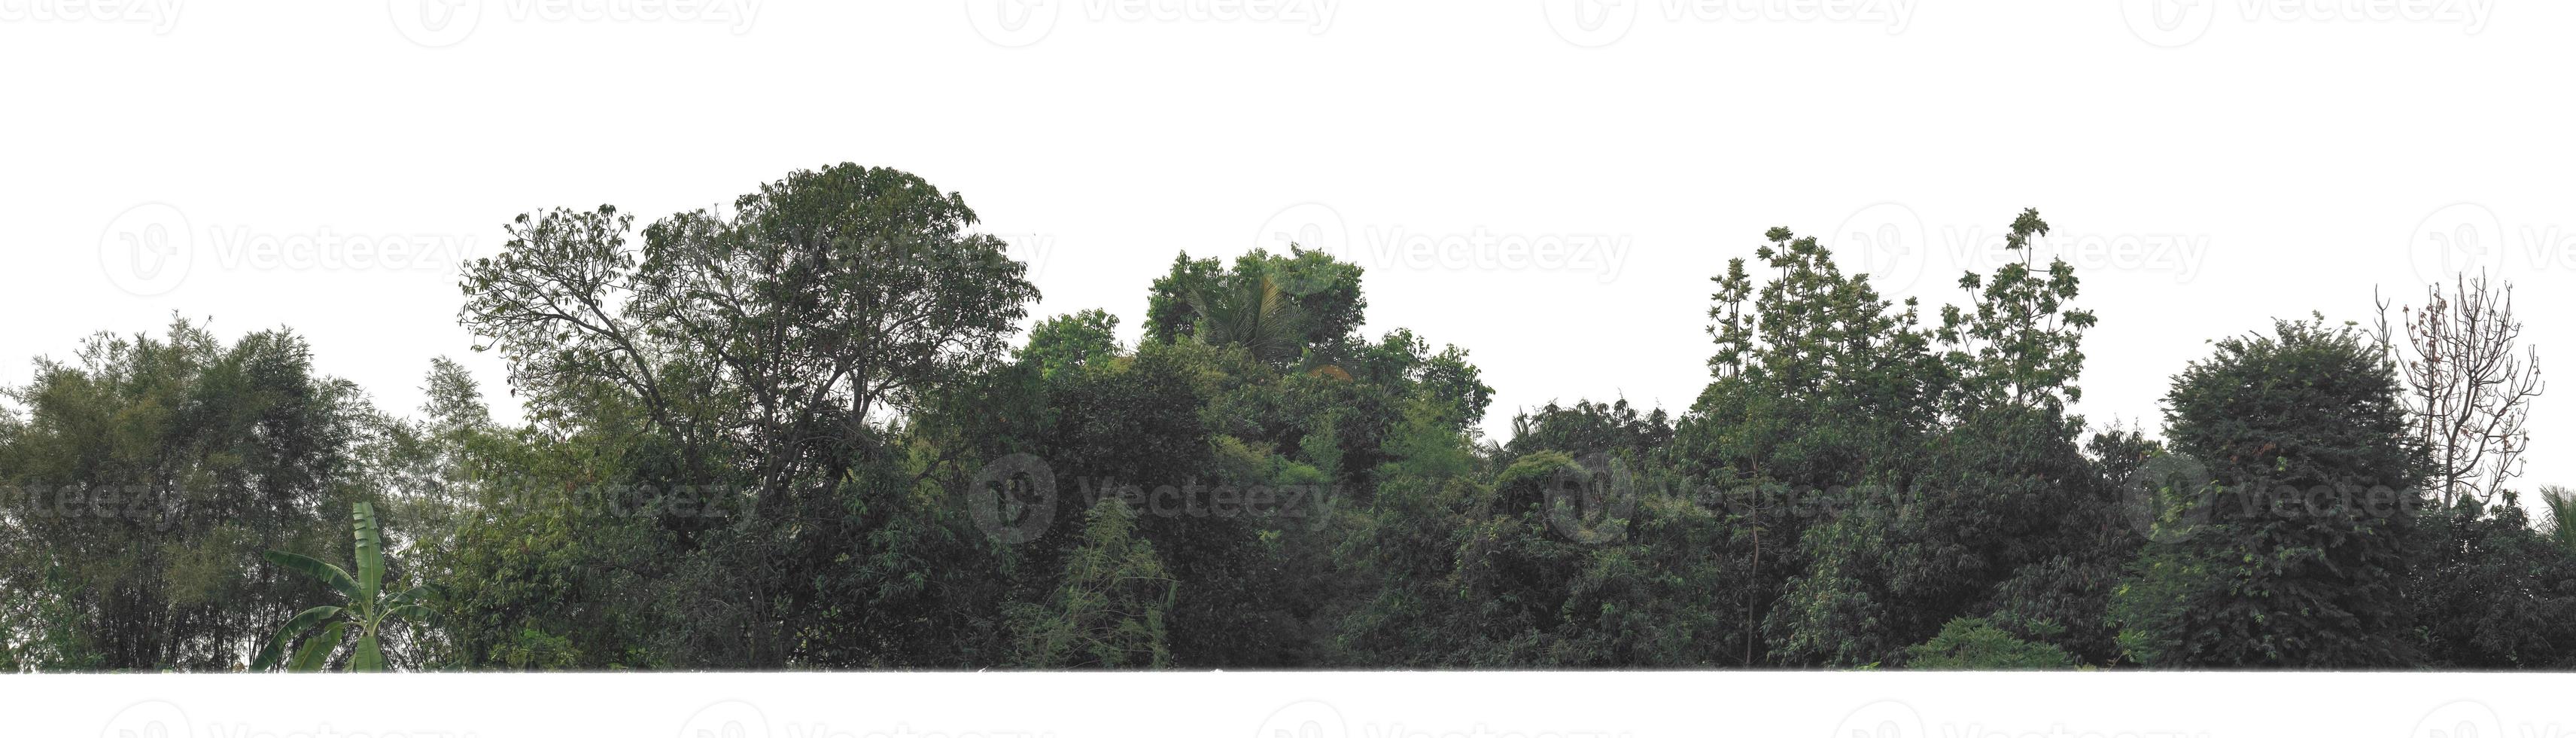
(808, 432)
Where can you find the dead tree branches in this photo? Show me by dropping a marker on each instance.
(2466, 389)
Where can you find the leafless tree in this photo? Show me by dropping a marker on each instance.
(2467, 390)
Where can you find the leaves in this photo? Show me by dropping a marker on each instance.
(295, 627)
(334, 577)
(1257, 315)
(1974, 643)
(171, 460)
(370, 655)
(317, 651)
(370, 552)
(363, 608)
(2303, 558)
(1112, 608)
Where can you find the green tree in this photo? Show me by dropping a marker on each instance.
(1112, 605)
(745, 378)
(2017, 342)
(2302, 557)
(1257, 314)
(1819, 386)
(1960, 492)
(1277, 306)
(154, 470)
(1403, 548)
(1589, 428)
(1065, 342)
(2488, 591)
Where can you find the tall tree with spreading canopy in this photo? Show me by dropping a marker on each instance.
(760, 363)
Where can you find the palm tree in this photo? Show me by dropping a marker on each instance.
(2561, 502)
(1257, 314)
(365, 608)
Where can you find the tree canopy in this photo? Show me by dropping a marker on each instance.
(821, 428)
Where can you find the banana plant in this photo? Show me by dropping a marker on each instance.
(366, 610)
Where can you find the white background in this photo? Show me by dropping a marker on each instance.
(2306, 155)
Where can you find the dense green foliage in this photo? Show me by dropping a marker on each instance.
(1973, 643)
(2297, 553)
(144, 480)
(805, 432)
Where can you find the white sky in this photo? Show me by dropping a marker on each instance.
(2302, 156)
